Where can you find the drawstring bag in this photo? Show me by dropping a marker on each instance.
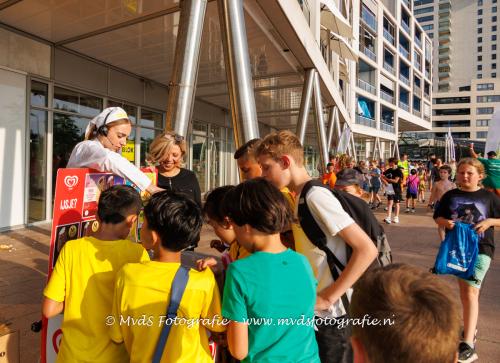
(458, 252)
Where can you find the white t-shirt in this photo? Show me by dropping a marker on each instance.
(92, 154)
(331, 218)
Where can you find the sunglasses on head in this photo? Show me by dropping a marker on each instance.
(176, 137)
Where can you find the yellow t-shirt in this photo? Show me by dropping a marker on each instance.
(142, 291)
(84, 278)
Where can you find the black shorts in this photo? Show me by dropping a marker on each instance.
(395, 197)
(411, 195)
(375, 188)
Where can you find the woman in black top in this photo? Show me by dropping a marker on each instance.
(167, 152)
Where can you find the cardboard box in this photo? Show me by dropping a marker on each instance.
(9, 346)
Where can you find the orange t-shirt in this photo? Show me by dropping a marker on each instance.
(330, 179)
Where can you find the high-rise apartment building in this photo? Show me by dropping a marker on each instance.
(465, 39)
(393, 86)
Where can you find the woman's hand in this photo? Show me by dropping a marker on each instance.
(322, 303)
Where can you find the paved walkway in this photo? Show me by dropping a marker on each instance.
(23, 272)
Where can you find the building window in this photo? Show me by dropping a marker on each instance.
(485, 110)
(479, 21)
(479, 67)
(494, 37)
(494, 9)
(485, 87)
(481, 134)
(428, 9)
(494, 19)
(479, 2)
(479, 58)
(494, 28)
(493, 56)
(480, 12)
(493, 66)
(482, 123)
(479, 30)
(480, 49)
(428, 27)
(493, 98)
(494, 47)
(425, 18)
(479, 76)
(479, 39)
(494, 75)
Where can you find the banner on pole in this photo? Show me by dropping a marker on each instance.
(345, 138)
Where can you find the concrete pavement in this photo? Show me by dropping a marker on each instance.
(23, 272)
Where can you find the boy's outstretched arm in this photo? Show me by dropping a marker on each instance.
(487, 223)
(237, 339)
(363, 254)
(446, 223)
(51, 308)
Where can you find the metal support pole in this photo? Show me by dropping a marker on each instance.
(305, 104)
(238, 72)
(331, 127)
(353, 148)
(182, 86)
(320, 123)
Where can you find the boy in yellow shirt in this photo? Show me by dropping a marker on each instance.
(83, 279)
(172, 223)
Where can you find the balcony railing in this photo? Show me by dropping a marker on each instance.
(404, 52)
(365, 86)
(389, 37)
(403, 79)
(418, 42)
(387, 128)
(387, 97)
(427, 75)
(362, 120)
(426, 95)
(405, 26)
(389, 68)
(427, 118)
(404, 106)
(369, 19)
(417, 90)
(418, 66)
(417, 113)
(369, 53)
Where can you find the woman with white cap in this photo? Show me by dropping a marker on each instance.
(105, 135)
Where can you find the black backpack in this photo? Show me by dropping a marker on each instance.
(360, 212)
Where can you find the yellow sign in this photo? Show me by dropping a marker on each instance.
(128, 151)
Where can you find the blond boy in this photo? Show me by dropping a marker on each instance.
(281, 157)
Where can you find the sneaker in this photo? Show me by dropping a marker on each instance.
(395, 220)
(386, 209)
(413, 210)
(407, 210)
(387, 220)
(466, 353)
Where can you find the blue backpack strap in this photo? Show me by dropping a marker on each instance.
(178, 286)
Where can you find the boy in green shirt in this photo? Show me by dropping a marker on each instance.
(269, 296)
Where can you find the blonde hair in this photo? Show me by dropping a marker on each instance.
(281, 143)
(161, 146)
(472, 162)
(92, 133)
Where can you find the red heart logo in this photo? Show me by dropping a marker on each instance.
(70, 181)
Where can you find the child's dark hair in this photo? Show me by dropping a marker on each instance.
(116, 202)
(393, 160)
(247, 149)
(445, 167)
(259, 204)
(213, 203)
(413, 171)
(176, 219)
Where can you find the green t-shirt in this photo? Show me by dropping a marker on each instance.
(275, 294)
(492, 167)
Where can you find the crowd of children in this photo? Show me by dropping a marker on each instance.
(288, 296)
